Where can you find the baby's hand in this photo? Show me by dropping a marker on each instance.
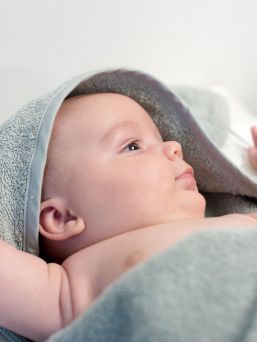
(252, 151)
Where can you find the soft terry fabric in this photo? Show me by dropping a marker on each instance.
(24, 140)
(202, 290)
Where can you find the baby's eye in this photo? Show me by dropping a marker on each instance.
(133, 146)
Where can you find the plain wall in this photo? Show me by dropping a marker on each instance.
(199, 42)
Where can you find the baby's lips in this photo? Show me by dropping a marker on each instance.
(188, 171)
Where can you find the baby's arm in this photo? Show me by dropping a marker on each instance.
(35, 298)
(252, 151)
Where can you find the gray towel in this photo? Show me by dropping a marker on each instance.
(201, 290)
(24, 140)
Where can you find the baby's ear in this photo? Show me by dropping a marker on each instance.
(56, 221)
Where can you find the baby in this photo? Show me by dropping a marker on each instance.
(114, 194)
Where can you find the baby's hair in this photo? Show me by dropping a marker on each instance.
(48, 173)
(46, 180)
(52, 178)
(55, 180)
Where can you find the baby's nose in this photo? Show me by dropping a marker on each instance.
(172, 150)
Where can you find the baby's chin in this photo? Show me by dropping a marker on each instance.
(199, 204)
(195, 206)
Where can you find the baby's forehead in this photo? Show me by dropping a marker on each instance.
(105, 106)
(76, 125)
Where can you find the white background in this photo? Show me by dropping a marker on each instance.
(200, 42)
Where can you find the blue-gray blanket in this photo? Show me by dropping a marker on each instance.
(202, 289)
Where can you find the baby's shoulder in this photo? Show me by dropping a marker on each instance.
(243, 216)
(238, 220)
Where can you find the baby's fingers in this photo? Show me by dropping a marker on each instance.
(254, 135)
(252, 154)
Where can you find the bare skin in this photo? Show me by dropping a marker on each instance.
(118, 195)
(67, 290)
(252, 151)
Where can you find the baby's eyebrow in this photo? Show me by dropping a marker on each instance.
(114, 128)
(126, 123)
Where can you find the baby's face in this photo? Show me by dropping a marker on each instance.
(120, 174)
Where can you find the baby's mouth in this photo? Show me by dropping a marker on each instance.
(187, 173)
(187, 179)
